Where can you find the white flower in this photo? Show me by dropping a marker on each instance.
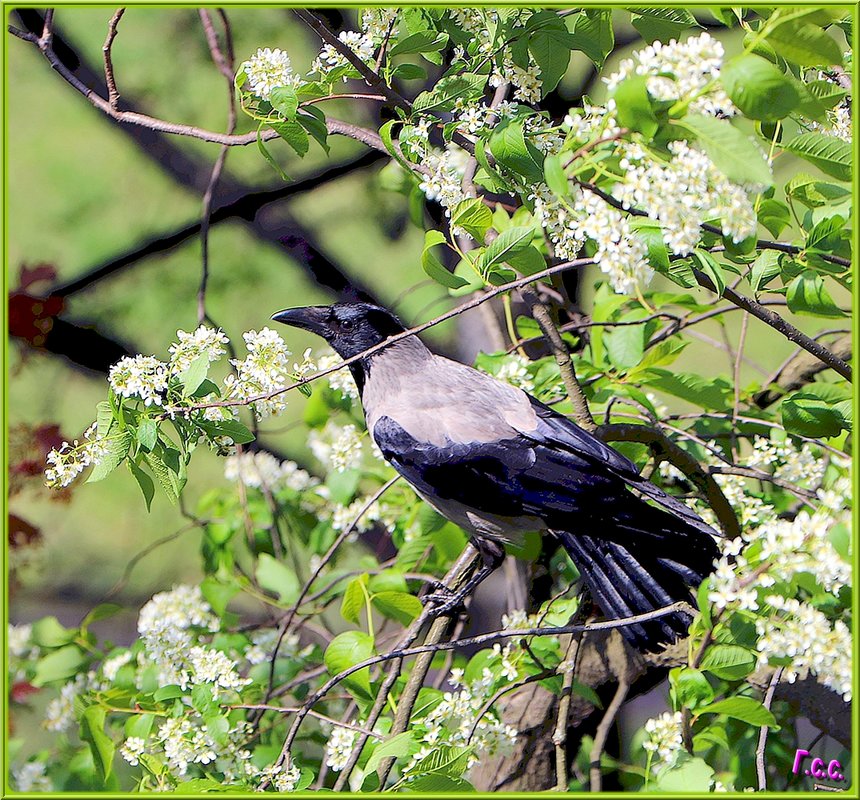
(19, 640)
(514, 371)
(341, 380)
(838, 123)
(337, 448)
(810, 640)
(444, 179)
(60, 712)
(265, 370)
(132, 749)
(687, 69)
(212, 666)
(268, 69)
(111, 666)
(339, 747)
(664, 737)
(70, 460)
(261, 469)
(192, 345)
(31, 777)
(141, 376)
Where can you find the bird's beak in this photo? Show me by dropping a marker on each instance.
(311, 318)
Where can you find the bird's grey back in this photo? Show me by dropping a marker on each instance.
(436, 400)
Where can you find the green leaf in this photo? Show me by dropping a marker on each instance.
(101, 611)
(807, 294)
(733, 153)
(826, 92)
(139, 725)
(389, 580)
(285, 101)
(764, 269)
(438, 783)
(264, 151)
(353, 600)
(218, 593)
(711, 268)
(687, 774)
(554, 175)
(194, 374)
(826, 234)
(59, 665)
(592, 33)
(807, 414)
(116, 449)
(527, 261)
(774, 215)
(433, 267)
(829, 154)
(147, 487)
(403, 744)
(101, 745)
(169, 692)
(238, 432)
(804, 44)
(510, 149)
(758, 88)
(294, 134)
(346, 650)
(690, 688)
(420, 42)
(472, 216)
(745, 709)
(104, 418)
(147, 433)
(409, 72)
(728, 661)
(710, 393)
(47, 632)
(661, 23)
(400, 606)
(625, 345)
(312, 119)
(550, 47)
(277, 578)
(467, 86)
(633, 105)
(507, 245)
(164, 476)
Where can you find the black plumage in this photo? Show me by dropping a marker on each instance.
(499, 463)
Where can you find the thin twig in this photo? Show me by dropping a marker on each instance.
(110, 80)
(539, 311)
(602, 733)
(760, 765)
(291, 710)
(559, 735)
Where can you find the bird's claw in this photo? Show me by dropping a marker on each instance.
(444, 601)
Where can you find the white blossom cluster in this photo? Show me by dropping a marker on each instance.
(682, 194)
(336, 448)
(263, 371)
(838, 123)
(167, 625)
(60, 711)
(375, 24)
(263, 643)
(481, 23)
(31, 777)
(262, 470)
(443, 180)
(206, 341)
(688, 69)
(452, 721)
(514, 370)
(20, 641)
(140, 376)
(810, 640)
(68, 461)
(269, 69)
(801, 467)
(339, 746)
(340, 380)
(664, 737)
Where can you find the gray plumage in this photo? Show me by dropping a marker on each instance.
(499, 463)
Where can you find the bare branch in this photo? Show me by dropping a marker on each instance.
(602, 733)
(760, 765)
(110, 80)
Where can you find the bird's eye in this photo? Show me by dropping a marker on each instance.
(347, 325)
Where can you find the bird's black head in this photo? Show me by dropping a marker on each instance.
(350, 328)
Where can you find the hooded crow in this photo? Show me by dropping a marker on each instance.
(499, 463)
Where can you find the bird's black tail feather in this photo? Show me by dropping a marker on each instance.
(643, 559)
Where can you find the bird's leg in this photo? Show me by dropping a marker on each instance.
(445, 600)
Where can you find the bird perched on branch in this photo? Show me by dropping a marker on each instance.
(499, 463)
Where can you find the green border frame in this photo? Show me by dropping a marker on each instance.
(854, 788)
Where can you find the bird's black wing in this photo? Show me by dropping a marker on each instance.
(558, 432)
(513, 477)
